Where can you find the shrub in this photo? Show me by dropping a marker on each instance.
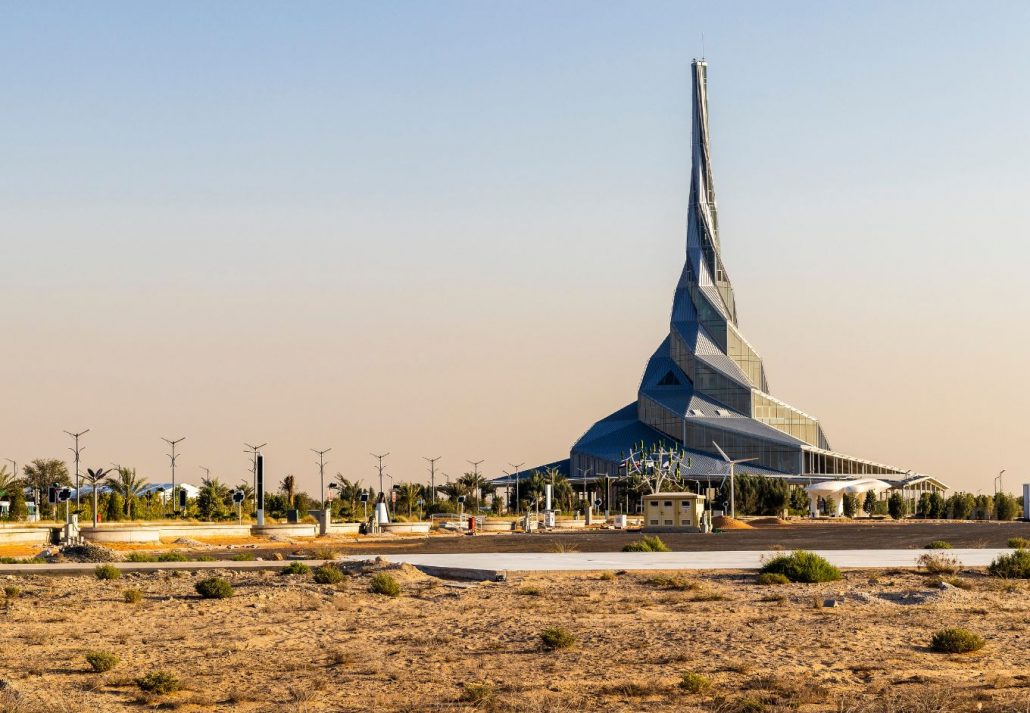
(328, 574)
(772, 578)
(476, 693)
(132, 596)
(896, 506)
(694, 682)
(956, 641)
(1019, 543)
(938, 545)
(140, 557)
(557, 637)
(101, 661)
(530, 591)
(606, 576)
(648, 543)
(850, 504)
(214, 588)
(802, 566)
(243, 557)
(172, 556)
(12, 592)
(385, 584)
(323, 553)
(107, 571)
(677, 582)
(1013, 566)
(939, 564)
(294, 568)
(159, 682)
(204, 558)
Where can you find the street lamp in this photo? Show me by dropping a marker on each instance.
(321, 474)
(76, 450)
(173, 457)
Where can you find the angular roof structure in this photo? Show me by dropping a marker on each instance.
(706, 383)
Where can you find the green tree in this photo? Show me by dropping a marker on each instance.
(408, 495)
(938, 509)
(1006, 507)
(799, 502)
(923, 506)
(129, 486)
(850, 503)
(212, 499)
(288, 487)
(115, 507)
(869, 504)
(40, 475)
(896, 506)
(350, 496)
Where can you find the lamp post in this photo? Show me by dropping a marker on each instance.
(383, 514)
(432, 476)
(515, 467)
(321, 474)
(475, 473)
(174, 457)
(253, 450)
(76, 450)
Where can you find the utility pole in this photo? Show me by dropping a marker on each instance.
(207, 472)
(321, 474)
(173, 457)
(475, 469)
(77, 450)
(515, 467)
(432, 476)
(253, 450)
(999, 487)
(380, 468)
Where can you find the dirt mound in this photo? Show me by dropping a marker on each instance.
(88, 552)
(763, 521)
(189, 542)
(724, 522)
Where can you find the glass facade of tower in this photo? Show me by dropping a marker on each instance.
(706, 383)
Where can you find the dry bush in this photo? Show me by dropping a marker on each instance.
(939, 564)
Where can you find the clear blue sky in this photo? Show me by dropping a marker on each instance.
(392, 199)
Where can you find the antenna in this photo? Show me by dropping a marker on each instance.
(702, 46)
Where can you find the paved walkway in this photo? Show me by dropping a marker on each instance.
(486, 564)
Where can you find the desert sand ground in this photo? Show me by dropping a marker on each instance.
(286, 643)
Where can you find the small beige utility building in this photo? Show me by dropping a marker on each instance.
(673, 512)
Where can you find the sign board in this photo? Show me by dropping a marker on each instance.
(363, 498)
(597, 502)
(64, 495)
(461, 499)
(710, 493)
(237, 497)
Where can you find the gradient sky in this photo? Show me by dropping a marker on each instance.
(454, 228)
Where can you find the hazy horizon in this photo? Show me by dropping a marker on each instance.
(455, 230)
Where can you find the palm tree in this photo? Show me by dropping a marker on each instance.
(408, 495)
(8, 481)
(248, 493)
(475, 485)
(41, 474)
(128, 486)
(93, 477)
(211, 500)
(289, 488)
(350, 492)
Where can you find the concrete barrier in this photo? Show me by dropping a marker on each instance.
(300, 529)
(570, 524)
(344, 528)
(121, 534)
(498, 526)
(406, 528)
(24, 535)
(114, 532)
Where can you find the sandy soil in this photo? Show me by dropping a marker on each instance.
(286, 643)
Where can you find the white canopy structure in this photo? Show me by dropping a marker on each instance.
(833, 492)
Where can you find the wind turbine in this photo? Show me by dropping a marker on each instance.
(733, 463)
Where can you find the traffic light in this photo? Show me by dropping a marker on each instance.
(182, 499)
